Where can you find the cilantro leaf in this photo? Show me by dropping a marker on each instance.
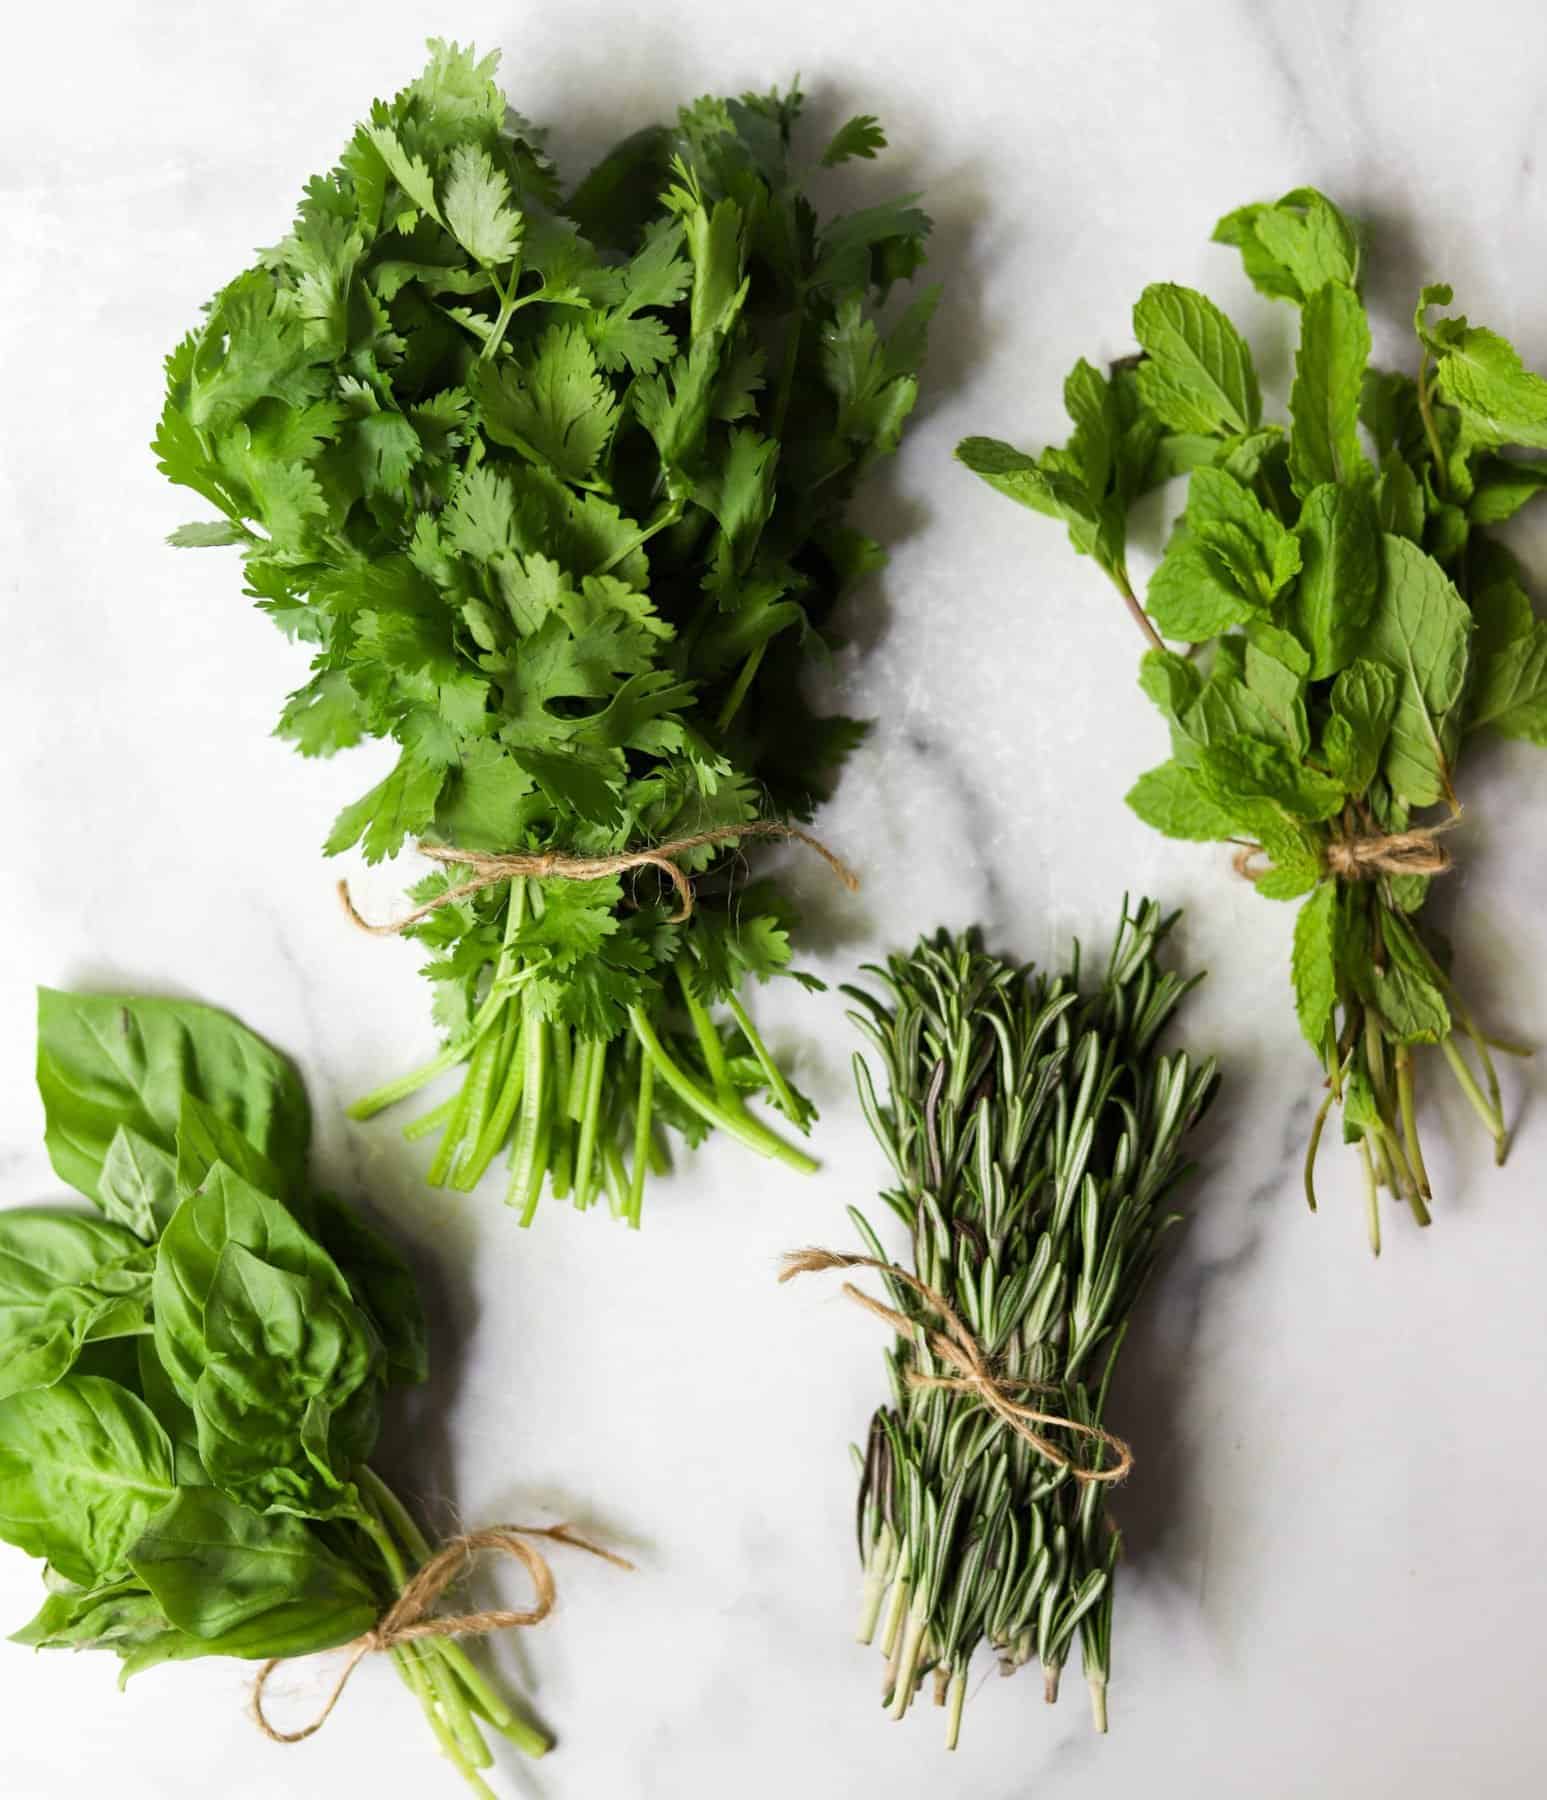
(860, 136)
(552, 405)
(476, 204)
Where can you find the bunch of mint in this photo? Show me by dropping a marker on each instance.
(555, 490)
(1349, 624)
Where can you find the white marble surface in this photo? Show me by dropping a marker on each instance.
(1337, 1569)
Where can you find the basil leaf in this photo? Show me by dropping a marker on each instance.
(84, 1468)
(138, 1184)
(65, 1280)
(225, 1210)
(105, 1061)
(381, 1282)
(221, 1573)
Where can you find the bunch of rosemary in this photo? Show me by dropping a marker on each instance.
(1035, 1132)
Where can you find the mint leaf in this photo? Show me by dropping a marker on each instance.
(1511, 690)
(1482, 376)
(1172, 800)
(1239, 532)
(1264, 785)
(1171, 681)
(1403, 989)
(1293, 248)
(1399, 500)
(1363, 700)
(1198, 374)
(1340, 576)
(1501, 487)
(1324, 401)
(1314, 964)
(1281, 692)
(1189, 597)
(1419, 630)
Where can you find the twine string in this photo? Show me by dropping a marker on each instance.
(411, 1615)
(489, 867)
(1363, 858)
(956, 1346)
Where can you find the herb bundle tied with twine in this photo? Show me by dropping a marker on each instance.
(1347, 623)
(556, 484)
(1035, 1132)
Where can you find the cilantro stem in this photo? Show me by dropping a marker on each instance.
(561, 1147)
(590, 1117)
(788, 366)
(738, 693)
(643, 1108)
(429, 1123)
(451, 1141)
(740, 1123)
(508, 305)
(530, 1145)
(486, 1146)
(784, 1096)
(712, 1050)
(665, 518)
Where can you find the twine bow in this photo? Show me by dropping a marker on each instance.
(490, 867)
(956, 1346)
(1362, 858)
(411, 1616)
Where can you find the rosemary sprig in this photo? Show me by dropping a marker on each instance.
(1035, 1133)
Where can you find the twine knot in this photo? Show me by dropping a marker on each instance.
(958, 1347)
(411, 1615)
(1363, 857)
(490, 867)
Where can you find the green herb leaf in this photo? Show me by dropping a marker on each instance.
(84, 1468)
(1329, 377)
(1198, 373)
(1315, 964)
(105, 1061)
(1340, 578)
(1419, 630)
(1292, 249)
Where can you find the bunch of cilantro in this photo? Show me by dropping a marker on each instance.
(1349, 625)
(555, 488)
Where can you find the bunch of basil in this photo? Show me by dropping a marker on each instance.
(192, 1379)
